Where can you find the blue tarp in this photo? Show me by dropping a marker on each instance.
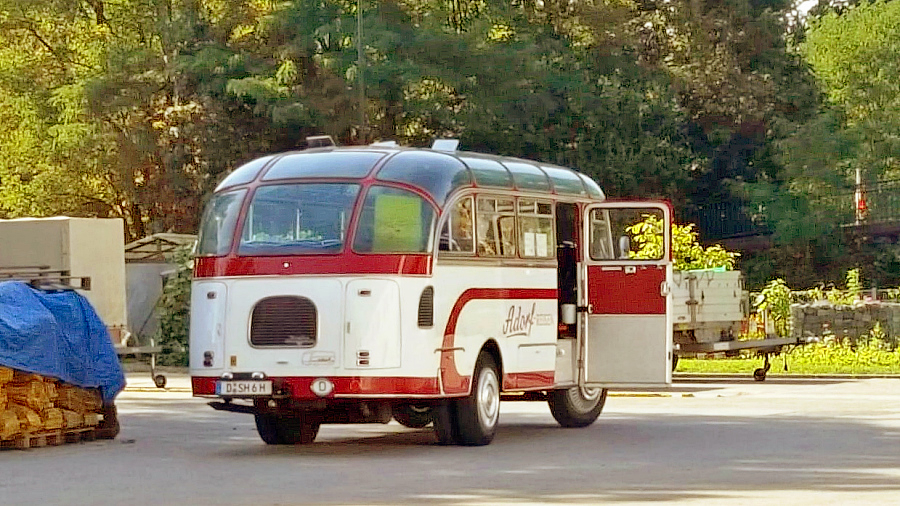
(57, 334)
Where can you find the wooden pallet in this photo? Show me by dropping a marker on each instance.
(49, 438)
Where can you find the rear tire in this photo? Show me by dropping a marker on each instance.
(478, 414)
(445, 427)
(286, 430)
(576, 407)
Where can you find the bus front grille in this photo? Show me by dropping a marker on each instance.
(284, 322)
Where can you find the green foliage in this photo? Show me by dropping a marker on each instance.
(174, 310)
(776, 297)
(850, 294)
(872, 353)
(854, 56)
(687, 252)
(775, 301)
(827, 357)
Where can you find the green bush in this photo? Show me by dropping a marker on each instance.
(174, 310)
(687, 253)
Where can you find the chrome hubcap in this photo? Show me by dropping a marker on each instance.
(584, 399)
(488, 396)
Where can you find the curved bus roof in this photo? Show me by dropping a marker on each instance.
(439, 173)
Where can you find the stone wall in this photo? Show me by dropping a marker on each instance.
(824, 318)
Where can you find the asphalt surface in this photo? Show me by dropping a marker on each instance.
(702, 442)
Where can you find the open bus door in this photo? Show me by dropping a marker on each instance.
(625, 327)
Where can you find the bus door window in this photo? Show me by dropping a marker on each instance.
(458, 234)
(567, 261)
(394, 221)
(601, 245)
(496, 227)
(619, 225)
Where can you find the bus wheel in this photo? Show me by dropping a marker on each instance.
(286, 430)
(477, 414)
(576, 406)
(445, 427)
(412, 416)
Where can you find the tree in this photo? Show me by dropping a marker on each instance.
(856, 56)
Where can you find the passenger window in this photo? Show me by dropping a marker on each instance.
(536, 229)
(458, 235)
(496, 227)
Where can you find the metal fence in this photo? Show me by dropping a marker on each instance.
(873, 204)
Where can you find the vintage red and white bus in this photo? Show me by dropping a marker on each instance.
(357, 284)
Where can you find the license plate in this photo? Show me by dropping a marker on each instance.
(243, 388)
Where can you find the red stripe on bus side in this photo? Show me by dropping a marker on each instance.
(529, 380)
(452, 381)
(344, 264)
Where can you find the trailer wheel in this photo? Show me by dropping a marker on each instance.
(286, 430)
(160, 381)
(478, 414)
(759, 374)
(412, 416)
(576, 406)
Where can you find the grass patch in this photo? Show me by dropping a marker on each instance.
(831, 356)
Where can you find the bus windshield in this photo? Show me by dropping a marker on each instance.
(291, 219)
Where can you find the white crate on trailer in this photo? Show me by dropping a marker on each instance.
(82, 247)
(708, 305)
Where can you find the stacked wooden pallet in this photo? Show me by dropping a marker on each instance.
(36, 411)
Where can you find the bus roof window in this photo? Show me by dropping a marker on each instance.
(245, 173)
(592, 187)
(565, 181)
(489, 172)
(527, 176)
(351, 164)
(436, 173)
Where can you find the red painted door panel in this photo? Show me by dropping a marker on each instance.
(626, 289)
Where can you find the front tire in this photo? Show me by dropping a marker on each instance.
(576, 407)
(286, 430)
(478, 414)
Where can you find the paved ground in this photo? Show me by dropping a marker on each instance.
(701, 443)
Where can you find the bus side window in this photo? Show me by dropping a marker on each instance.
(496, 227)
(536, 224)
(457, 234)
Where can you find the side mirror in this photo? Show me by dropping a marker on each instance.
(624, 247)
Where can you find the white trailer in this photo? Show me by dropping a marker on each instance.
(711, 308)
(77, 247)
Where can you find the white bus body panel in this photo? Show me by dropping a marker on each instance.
(372, 335)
